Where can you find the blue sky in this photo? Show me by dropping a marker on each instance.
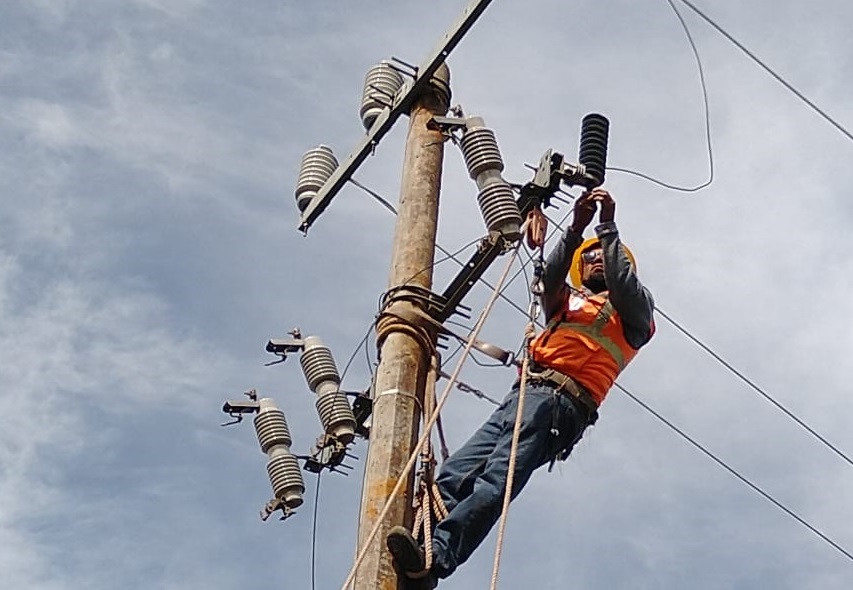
(148, 249)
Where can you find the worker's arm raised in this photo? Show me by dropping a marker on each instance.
(629, 297)
(557, 265)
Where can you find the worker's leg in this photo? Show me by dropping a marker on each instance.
(471, 519)
(459, 471)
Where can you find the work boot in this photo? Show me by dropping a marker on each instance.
(428, 582)
(410, 559)
(408, 555)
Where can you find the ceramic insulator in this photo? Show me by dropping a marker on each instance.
(500, 210)
(380, 85)
(483, 159)
(318, 164)
(282, 467)
(480, 150)
(323, 379)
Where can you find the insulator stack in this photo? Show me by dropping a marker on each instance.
(593, 148)
(282, 467)
(323, 379)
(380, 85)
(318, 164)
(483, 160)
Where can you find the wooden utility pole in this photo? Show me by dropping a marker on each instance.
(401, 375)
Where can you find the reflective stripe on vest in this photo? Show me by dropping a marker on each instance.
(594, 331)
(586, 341)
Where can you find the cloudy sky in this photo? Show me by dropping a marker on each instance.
(148, 250)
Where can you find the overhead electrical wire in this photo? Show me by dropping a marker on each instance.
(358, 346)
(707, 122)
(769, 70)
(314, 533)
(752, 384)
(732, 471)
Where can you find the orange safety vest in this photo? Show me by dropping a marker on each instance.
(586, 342)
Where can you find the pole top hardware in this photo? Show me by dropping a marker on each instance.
(282, 346)
(236, 409)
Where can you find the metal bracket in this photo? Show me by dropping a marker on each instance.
(236, 409)
(276, 504)
(576, 174)
(447, 125)
(328, 452)
(362, 408)
(282, 346)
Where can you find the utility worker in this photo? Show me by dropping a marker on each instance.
(594, 330)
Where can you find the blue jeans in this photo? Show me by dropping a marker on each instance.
(472, 481)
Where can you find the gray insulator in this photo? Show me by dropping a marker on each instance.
(500, 210)
(271, 427)
(318, 164)
(481, 152)
(282, 467)
(318, 363)
(483, 159)
(286, 479)
(380, 85)
(336, 415)
(323, 379)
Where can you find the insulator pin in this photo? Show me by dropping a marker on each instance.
(320, 371)
(483, 159)
(318, 164)
(381, 83)
(593, 147)
(282, 467)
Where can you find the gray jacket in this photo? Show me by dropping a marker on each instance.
(631, 300)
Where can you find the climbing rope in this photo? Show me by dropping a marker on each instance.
(537, 288)
(428, 501)
(401, 481)
(511, 474)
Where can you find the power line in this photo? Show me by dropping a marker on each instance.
(769, 70)
(707, 120)
(732, 471)
(361, 343)
(755, 387)
(314, 533)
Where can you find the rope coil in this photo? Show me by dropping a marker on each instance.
(402, 312)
